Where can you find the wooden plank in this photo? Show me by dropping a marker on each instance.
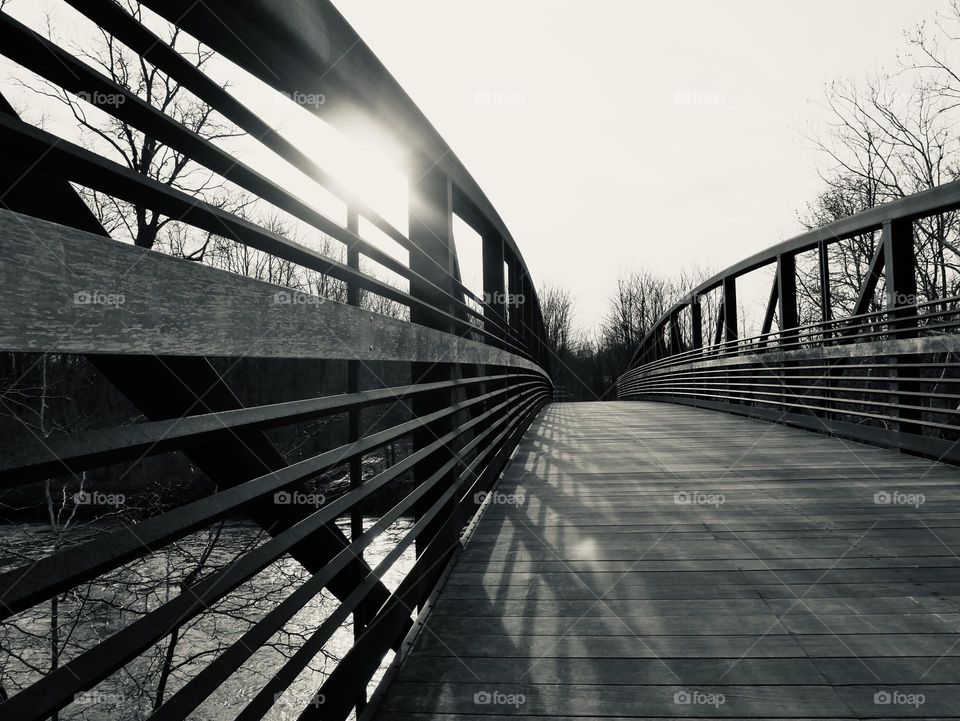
(592, 590)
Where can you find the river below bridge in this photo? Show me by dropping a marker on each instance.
(92, 612)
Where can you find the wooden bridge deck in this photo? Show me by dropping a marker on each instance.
(604, 595)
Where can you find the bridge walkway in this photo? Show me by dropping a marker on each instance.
(651, 560)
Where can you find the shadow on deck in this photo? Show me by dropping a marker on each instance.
(667, 561)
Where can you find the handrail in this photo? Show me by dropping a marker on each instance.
(942, 199)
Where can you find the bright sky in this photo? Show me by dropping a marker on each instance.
(611, 136)
(584, 148)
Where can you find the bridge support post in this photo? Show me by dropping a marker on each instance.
(696, 322)
(826, 298)
(494, 285)
(901, 291)
(354, 433)
(730, 309)
(676, 337)
(696, 329)
(514, 290)
(789, 320)
(826, 315)
(431, 231)
(729, 320)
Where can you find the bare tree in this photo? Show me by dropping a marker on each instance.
(137, 150)
(556, 305)
(887, 136)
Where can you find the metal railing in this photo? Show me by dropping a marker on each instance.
(886, 376)
(477, 367)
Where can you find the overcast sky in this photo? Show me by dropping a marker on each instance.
(625, 134)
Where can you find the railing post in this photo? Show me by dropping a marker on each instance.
(494, 285)
(525, 301)
(730, 309)
(696, 322)
(676, 339)
(514, 289)
(730, 334)
(787, 291)
(353, 431)
(826, 315)
(789, 319)
(826, 298)
(660, 346)
(901, 290)
(431, 231)
(696, 329)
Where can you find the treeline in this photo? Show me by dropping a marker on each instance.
(585, 364)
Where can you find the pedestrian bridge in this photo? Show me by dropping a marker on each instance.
(648, 560)
(761, 526)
